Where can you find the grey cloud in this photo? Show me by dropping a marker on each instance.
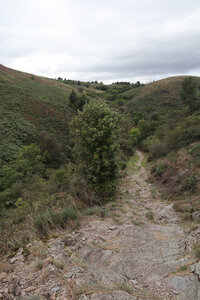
(103, 40)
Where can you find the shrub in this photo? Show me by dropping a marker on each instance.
(161, 168)
(135, 135)
(94, 131)
(156, 147)
(29, 160)
(190, 182)
(150, 215)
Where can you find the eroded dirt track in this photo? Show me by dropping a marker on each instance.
(139, 251)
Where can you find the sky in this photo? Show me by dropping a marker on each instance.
(104, 40)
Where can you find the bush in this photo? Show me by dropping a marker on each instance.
(95, 131)
(157, 148)
(14, 176)
(135, 135)
(161, 169)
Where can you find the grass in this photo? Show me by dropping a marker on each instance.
(182, 268)
(132, 162)
(89, 289)
(125, 288)
(38, 265)
(153, 192)
(150, 216)
(50, 219)
(136, 222)
(197, 250)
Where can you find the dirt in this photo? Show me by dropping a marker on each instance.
(140, 249)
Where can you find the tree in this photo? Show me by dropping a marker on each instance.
(95, 131)
(135, 135)
(72, 97)
(188, 93)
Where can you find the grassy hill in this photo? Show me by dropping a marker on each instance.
(29, 105)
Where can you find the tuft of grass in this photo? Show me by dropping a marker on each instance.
(197, 250)
(38, 264)
(50, 219)
(124, 287)
(133, 161)
(89, 211)
(150, 215)
(186, 216)
(89, 289)
(182, 268)
(136, 222)
(153, 192)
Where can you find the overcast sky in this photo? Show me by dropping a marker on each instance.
(105, 40)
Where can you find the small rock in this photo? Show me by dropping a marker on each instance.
(69, 275)
(112, 227)
(134, 281)
(192, 267)
(18, 291)
(55, 289)
(30, 289)
(83, 238)
(13, 259)
(20, 251)
(197, 269)
(5, 291)
(3, 275)
(196, 215)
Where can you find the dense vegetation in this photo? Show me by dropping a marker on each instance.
(64, 144)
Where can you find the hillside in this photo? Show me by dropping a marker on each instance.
(30, 105)
(37, 173)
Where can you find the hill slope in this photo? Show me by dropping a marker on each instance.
(29, 105)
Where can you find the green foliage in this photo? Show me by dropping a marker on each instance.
(29, 160)
(51, 149)
(77, 102)
(160, 169)
(135, 135)
(146, 127)
(72, 97)
(150, 215)
(156, 147)
(188, 93)
(51, 219)
(14, 176)
(95, 132)
(14, 131)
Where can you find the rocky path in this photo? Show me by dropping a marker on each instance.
(139, 250)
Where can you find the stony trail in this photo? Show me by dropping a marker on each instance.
(140, 250)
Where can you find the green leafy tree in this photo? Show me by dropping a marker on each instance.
(188, 93)
(135, 135)
(29, 160)
(14, 176)
(95, 131)
(72, 97)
